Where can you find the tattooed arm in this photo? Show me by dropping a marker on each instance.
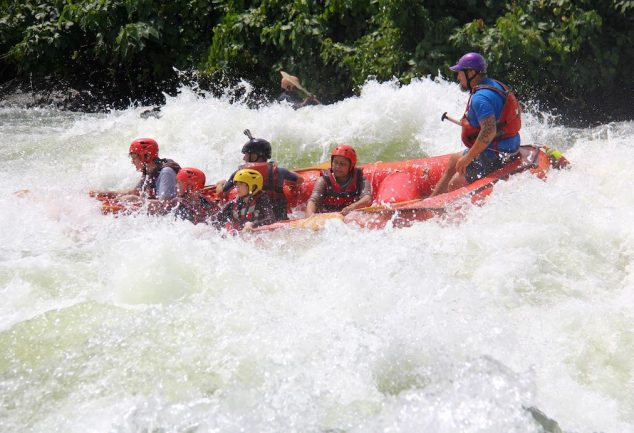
(485, 137)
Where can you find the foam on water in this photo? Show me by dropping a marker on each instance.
(138, 324)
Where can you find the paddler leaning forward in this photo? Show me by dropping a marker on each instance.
(343, 187)
(157, 186)
(490, 126)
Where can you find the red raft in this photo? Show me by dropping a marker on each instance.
(400, 190)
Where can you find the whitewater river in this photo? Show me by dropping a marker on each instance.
(456, 325)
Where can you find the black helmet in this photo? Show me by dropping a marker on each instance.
(259, 146)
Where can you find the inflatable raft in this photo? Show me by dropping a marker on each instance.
(400, 190)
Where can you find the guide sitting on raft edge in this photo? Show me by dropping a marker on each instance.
(490, 126)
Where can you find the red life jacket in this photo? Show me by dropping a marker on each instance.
(336, 196)
(270, 174)
(508, 124)
(196, 208)
(245, 210)
(147, 184)
(272, 186)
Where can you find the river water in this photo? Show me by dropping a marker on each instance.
(143, 324)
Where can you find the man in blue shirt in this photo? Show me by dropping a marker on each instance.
(490, 126)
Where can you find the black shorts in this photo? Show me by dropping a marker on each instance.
(485, 163)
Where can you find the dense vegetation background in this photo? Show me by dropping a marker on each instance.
(574, 55)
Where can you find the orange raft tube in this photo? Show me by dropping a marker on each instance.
(400, 190)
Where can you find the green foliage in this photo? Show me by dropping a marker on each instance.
(134, 44)
(548, 49)
(560, 48)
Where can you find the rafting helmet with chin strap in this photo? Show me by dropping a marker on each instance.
(259, 146)
(252, 178)
(145, 148)
(473, 61)
(192, 178)
(470, 61)
(347, 152)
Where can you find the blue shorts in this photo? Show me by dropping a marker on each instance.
(485, 163)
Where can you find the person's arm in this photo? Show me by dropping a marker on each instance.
(485, 137)
(220, 185)
(310, 100)
(112, 194)
(364, 201)
(224, 186)
(296, 178)
(122, 194)
(290, 176)
(165, 193)
(160, 206)
(315, 198)
(222, 217)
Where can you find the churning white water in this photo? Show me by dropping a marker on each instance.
(143, 324)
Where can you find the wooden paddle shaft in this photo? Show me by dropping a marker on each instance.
(449, 118)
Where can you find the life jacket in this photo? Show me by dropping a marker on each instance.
(245, 210)
(336, 196)
(196, 208)
(147, 184)
(507, 125)
(272, 186)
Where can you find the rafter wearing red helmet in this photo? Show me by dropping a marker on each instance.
(190, 203)
(343, 187)
(157, 185)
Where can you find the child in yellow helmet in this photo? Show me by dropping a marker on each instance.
(251, 208)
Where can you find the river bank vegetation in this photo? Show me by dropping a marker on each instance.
(572, 55)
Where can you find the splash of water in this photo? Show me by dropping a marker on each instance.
(146, 324)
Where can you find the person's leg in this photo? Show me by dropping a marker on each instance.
(483, 164)
(450, 170)
(457, 181)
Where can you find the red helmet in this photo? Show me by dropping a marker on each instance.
(191, 177)
(347, 152)
(145, 148)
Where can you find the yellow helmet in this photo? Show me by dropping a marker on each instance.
(253, 178)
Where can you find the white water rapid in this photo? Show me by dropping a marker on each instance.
(144, 324)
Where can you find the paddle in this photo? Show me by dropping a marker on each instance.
(295, 81)
(388, 206)
(451, 119)
(321, 166)
(314, 222)
(22, 192)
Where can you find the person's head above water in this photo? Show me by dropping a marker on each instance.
(256, 146)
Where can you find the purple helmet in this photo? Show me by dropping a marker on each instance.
(470, 61)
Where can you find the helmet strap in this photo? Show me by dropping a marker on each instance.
(469, 80)
(466, 75)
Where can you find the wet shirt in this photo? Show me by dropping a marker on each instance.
(485, 103)
(166, 183)
(165, 186)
